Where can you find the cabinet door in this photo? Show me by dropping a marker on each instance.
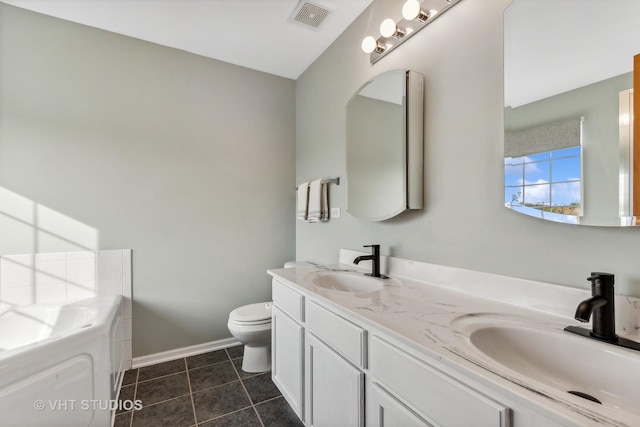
(287, 358)
(383, 410)
(335, 388)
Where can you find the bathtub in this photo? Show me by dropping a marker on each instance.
(61, 365)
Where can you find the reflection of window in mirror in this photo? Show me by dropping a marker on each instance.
(543, 170)
(545, 185)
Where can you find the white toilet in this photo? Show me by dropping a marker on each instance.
(251, 325)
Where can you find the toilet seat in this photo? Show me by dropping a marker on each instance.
(254, 323)
(252, 314)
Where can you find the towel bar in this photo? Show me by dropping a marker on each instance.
(335, 181)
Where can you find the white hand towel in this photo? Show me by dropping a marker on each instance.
(302, 207)
(324, 199)
(315, 201)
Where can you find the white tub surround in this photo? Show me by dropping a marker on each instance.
(422, 329)
(64, 366)
(66, 277)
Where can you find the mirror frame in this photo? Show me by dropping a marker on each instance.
(413, 147)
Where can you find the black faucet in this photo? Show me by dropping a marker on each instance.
(601, 305)
(375, 261)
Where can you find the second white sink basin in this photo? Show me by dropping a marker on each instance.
(344, 281)
(564, 361)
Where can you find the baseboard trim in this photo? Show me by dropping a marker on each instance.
(165, 356)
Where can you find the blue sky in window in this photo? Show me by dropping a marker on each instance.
(539, 170)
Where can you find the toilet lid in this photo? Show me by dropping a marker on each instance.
(252, 312)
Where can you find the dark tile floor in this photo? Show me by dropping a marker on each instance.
(207, 390)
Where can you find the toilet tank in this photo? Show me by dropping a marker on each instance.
(294, 264)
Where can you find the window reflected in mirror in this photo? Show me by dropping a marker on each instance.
(546, 185)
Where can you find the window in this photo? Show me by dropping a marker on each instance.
(545, 185)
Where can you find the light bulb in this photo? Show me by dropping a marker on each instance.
(369, 44)
(388, 28)
(412, 10)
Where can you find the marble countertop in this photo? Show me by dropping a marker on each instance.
(432, 317)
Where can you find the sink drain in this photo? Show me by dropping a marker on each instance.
(585, 396)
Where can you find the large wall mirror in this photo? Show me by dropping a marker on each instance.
(568, 87)
(385, 146)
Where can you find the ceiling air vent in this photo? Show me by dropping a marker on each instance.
(311, 15)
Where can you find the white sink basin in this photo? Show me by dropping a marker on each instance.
(343, 281)
(567, 362)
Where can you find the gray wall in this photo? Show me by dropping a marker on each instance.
(464, 222)
(110, 142)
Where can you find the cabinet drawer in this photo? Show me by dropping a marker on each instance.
(345, 337)
(288, 300)
(438, 397)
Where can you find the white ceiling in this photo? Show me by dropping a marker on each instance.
(252, 33)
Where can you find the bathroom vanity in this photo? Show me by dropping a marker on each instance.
(440, 346)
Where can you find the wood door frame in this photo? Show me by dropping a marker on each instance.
(636, 137)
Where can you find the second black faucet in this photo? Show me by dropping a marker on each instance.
(602, 306)
(375, 261)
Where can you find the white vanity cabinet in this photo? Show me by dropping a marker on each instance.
(335, 351)
(317, 360)
(338, 370)
(287, 345)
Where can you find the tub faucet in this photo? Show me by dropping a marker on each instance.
(375, 261)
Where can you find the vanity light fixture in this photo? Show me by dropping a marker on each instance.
(394, 33)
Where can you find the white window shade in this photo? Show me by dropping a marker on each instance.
(542, 138)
